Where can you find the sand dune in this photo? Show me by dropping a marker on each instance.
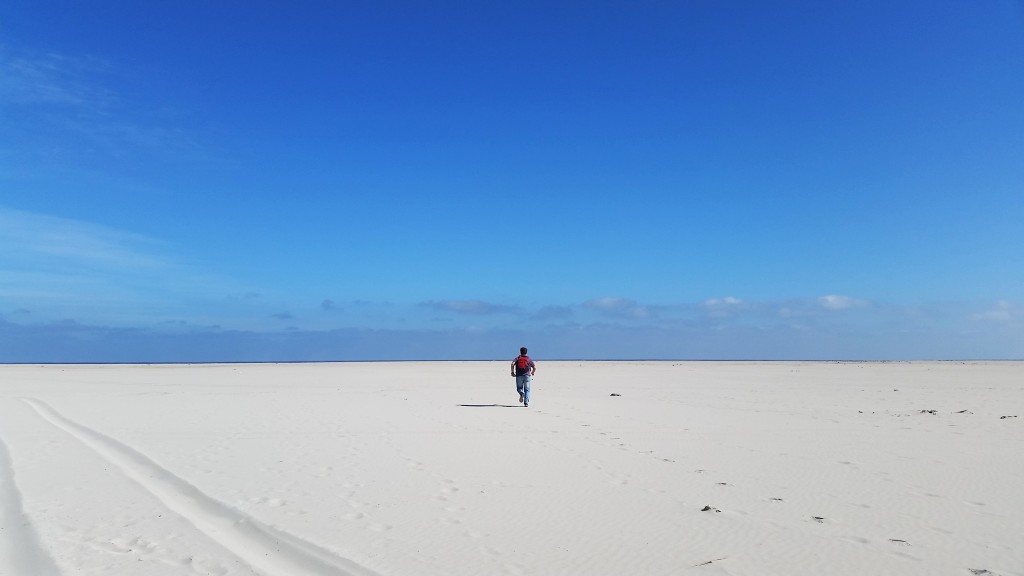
(435, 468)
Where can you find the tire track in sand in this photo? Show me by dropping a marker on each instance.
(20, 549)
(267, 549)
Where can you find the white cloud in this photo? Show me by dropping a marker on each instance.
(66, 268)
(837, 302)
(613, 329)
(554, 313)
(727, 302)
(618, 307)
(71, 108)
(1001, 311)
(472, 307)
(84, 342)
(723, 307)
(52, 79)
(62, 242)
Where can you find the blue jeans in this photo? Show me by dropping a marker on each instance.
(523, 386)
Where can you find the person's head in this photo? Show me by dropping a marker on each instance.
(523, 350)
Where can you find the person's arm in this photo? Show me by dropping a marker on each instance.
(513, 367)
(533, 368)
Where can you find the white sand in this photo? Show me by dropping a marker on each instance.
(434, 468)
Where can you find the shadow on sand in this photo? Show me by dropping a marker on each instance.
(491, 405)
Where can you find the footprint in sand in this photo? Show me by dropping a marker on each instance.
(490, 551)
(202, 565)
(514, 568)
(448, 520)
(138, 546)
(446, 492)
(356, 503)
(267, 501)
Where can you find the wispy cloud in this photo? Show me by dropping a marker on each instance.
(54, 265)
(67, 109)
(27, 237)
(85, 342)
(837, 302)
(820, 307)
(727, 302)
(53, 79)
(470, 307)
(723, 307)
(553, 313)
(63, 267)
(618, 307)
(1001, 311)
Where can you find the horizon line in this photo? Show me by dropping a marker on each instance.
(392, 361)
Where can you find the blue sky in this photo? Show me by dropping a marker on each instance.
(198, 181)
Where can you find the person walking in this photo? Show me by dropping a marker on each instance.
(523, 369)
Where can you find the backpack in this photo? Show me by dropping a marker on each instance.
(522, 364)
